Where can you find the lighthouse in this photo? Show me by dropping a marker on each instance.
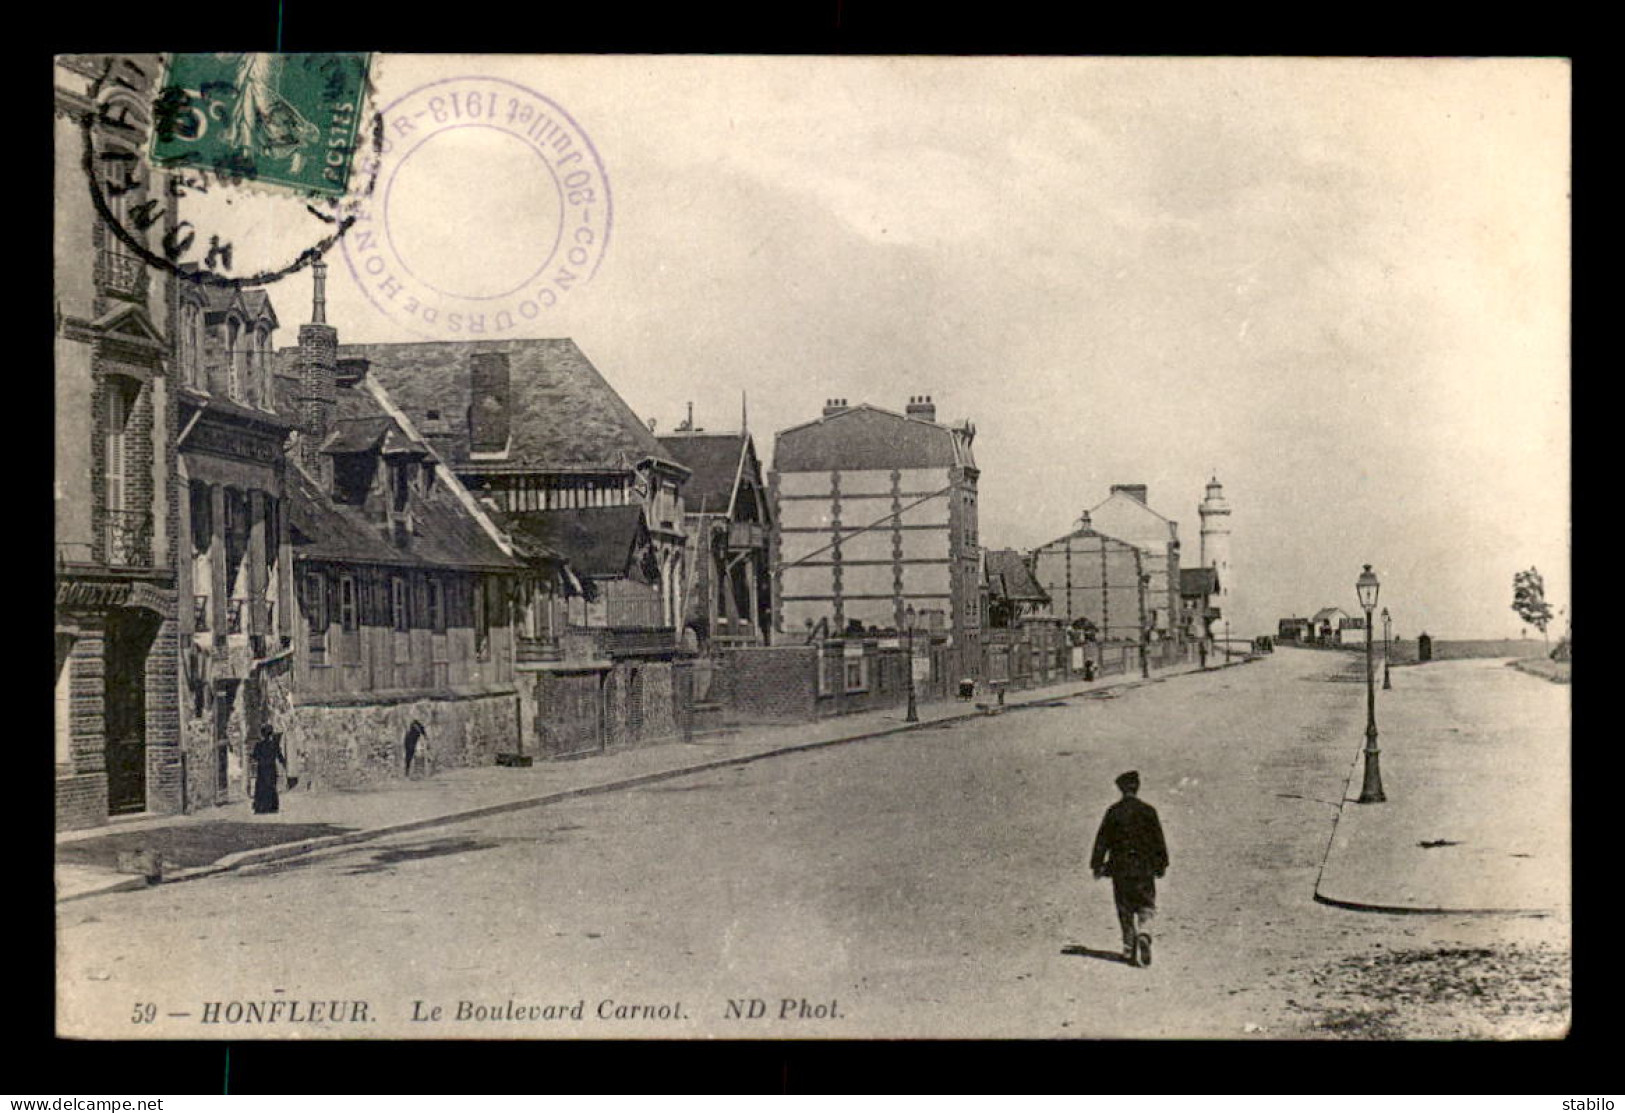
(1215, 512)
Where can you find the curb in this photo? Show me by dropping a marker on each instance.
(1396, 909)
(304, 847)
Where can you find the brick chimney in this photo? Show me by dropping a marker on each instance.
(1135, 491)
(834, 406)
(318, 370)
(922, 408)
(491, 404)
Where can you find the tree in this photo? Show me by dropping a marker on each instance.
(1529, 600)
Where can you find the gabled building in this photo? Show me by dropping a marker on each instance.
(1330, 625)
(538, 436)
(876, 519)
(117, 745)
(534, 428)
(403, 650)
(728, 518)
(1024, 642)
(1298, 630)
(1012, 592)
(1096, 584)
(1198, 588)
(1127, 516)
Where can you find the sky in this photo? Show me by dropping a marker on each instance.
(1340, 286)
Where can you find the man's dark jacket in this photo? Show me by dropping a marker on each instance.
(1129, 844)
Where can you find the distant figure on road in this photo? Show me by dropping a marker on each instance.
(266, 757)
(1129, 849)
(416, 745)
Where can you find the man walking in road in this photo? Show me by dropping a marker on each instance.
(1129, 848)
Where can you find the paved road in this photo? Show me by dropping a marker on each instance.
(931, 884)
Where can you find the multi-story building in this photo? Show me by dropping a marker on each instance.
(728, 520)
(236, 573)
(1127, 516)
(535, 432)
(877, 528)
(117, 736)
(1098, 585)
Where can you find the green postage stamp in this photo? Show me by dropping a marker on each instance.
(286, 119)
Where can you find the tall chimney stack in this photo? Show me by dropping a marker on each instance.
(318, 370)
(318, 313)
(922, 408)
(490, 408)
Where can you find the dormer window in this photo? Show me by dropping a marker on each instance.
(400, 482)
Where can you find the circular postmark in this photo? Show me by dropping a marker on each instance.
(227, 170)
(491, 207)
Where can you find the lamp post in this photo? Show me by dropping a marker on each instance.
(1387, 653)
(1371, 790)
(913, 715)
(1227, 640)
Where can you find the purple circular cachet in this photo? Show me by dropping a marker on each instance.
(491, 207)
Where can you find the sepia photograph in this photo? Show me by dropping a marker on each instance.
(811, 547)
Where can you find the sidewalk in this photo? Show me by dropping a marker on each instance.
(103, 859)
(1475, 768)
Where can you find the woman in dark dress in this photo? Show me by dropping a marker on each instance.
(267, 755)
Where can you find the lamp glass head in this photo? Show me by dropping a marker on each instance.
(1367, 585)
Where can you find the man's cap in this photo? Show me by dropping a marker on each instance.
(1129, 780)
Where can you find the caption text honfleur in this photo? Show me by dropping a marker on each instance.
(280, 1011)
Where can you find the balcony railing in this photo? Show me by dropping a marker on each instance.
(129, 538)
(234, 615)
(121, 274)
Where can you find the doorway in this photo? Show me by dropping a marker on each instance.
(130, 633)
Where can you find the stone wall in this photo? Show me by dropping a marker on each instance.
(344, 746)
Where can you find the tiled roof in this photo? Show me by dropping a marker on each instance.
(563, 415)
(447, 535)
(597, 541)
(866, 438)
(357, 434)
(714, 460)
(1198, 581)
(1010, 578)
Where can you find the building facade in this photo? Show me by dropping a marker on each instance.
(1127, 516)
(877, 528)
(572, 475)
(117, 739)
(236, 573)
(403, 648)
(1096, 584)
(728, 519)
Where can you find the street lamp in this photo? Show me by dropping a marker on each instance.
(1371, 791)
(1387, 653)
(913, 715)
